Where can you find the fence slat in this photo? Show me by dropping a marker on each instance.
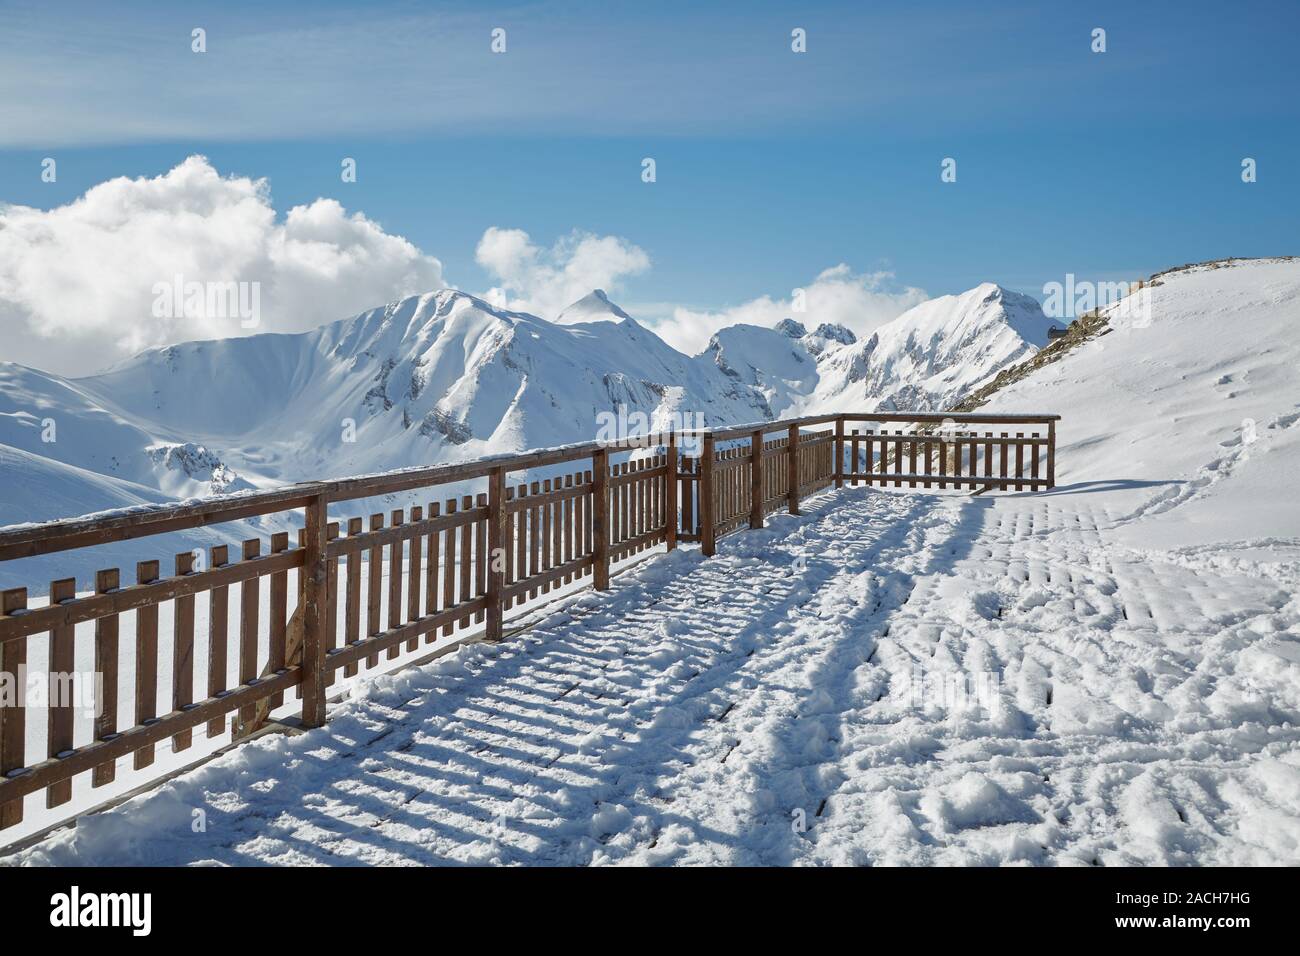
(106, 659)
(1051, 454)
(63, 663)
(547, 535)
(708, 499)
(587, 528)
(498, 547)
(414, 577)
(600, 519)
(352, 597)
(331, 632)
(671, 494)
(624, 505)
(146, 662)
(1020, 463)
(466, 556)
(449, 569)
(249, 605)
(521, 541)
(374, 586)
(183, 652)
(218, 609)
(277, 628)
(534, 538)
(567, 510)
(792, 451)
(395, 582)
(431, 583)
(480, 555)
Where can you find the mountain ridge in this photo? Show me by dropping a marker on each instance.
(429, 378)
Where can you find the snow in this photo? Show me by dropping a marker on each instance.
(1104, 674)
(1187, 413)
(684, 720)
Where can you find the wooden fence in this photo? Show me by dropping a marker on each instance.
(453, 567)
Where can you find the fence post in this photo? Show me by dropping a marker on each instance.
(496, 536)
(1051, 454)
(792, 470)
(708, 523)
(756, 479)
(600, 518)
(839, 452)
(670, 494)
(314, 602)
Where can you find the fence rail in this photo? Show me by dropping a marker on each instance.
(369, 591)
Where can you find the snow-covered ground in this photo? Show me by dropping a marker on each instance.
(904, 679)
(1103, 674)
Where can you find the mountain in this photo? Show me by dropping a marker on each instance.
(446, 376)
(926, 359)
(932, 355)
(428, 379)
(775, 362)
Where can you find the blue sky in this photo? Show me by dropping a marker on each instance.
(772, 166)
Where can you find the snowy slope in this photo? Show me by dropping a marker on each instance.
(932, 355)
(1191, 402)
(64, 421)
(38, 489)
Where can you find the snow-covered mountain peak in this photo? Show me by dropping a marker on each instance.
(595, 306)
(932, 355)
(826, 337)
(790, 328)
(835, 333)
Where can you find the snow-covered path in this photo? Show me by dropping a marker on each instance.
(892, 678)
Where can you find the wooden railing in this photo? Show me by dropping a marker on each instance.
(454, 570)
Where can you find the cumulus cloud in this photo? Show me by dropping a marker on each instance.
(860, 301)
(81, 284)
(544, 280)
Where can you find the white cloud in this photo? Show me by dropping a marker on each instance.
(544, 281)
(78, 282)
(860, 301)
